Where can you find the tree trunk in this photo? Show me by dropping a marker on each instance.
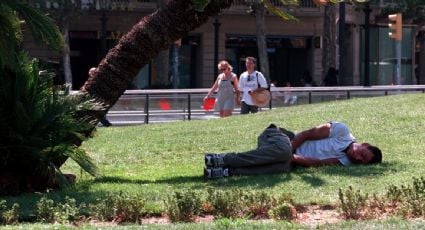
(145, 40)
(260, 12)
(329, 49)
(65, 57)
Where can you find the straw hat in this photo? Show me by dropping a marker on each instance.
(261, 98)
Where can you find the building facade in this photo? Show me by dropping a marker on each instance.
(294, 47)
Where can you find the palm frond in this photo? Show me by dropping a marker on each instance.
(200, 5)
(42, 27)
(38, 123)
(84, 161)
(279, 12)
(10, 35)
(15, 13)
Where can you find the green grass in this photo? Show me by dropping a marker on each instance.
(225, 224)
(156, 159)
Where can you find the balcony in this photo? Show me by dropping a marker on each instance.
(302, 3)
(238, 6)
(304, 8)
(120, 5)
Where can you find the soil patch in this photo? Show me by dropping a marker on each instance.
(314, 215)
(310, 215)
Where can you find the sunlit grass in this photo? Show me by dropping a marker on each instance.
(157, 159)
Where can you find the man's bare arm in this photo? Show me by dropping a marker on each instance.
(316, 133)
(310, 162)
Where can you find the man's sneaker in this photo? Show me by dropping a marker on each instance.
(214, 173)
(214, 160)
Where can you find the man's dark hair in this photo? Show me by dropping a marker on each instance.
(253, 59)
(377, 155)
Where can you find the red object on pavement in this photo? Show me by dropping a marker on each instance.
(164, 104)
(209, 104)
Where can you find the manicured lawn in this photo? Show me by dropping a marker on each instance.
(155, 160)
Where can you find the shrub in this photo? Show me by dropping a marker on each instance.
(8, 216)
(48, 211)
(68, 211)
(410, 199)
(39, 129)
(121, 207)
(238, 203)
(45, 210)
(405, 200)
(228, 204)
(283, 211)
(183, 205)
(352, 202)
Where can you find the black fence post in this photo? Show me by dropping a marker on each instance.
(147, 109)
(189, 111)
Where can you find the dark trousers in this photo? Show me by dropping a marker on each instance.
(245, 108)
(105, 122)
(273, 155)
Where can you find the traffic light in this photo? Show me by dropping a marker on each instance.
(396, 25)
(320, 2)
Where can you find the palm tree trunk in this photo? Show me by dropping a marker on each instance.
(260, 12)
(134, 50)
(145, 40)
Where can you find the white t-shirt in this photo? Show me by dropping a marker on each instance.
(339, 139)
(248, 82)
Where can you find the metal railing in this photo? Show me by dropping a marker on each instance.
(152, 106)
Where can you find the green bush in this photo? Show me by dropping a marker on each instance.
(39, 129)
(352, 202)
(410, 199)
(238, 203)
(47, 211)
(183, 205)
(284, 211)
(121, 207)
(228, 204)
(8, 216)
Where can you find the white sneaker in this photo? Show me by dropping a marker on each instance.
(214, 160)
(217, 172)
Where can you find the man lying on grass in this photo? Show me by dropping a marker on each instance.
(279, 150)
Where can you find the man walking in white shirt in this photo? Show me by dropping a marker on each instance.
(250, 81)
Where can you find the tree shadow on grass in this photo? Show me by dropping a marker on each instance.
(252, 181)
(199, 181)
(171, 180)
(267, 180)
